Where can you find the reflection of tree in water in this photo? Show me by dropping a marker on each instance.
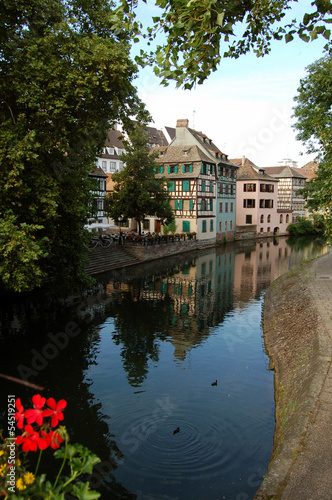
(139, 324)
(63, 376)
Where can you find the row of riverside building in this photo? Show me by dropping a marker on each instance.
(215, 197)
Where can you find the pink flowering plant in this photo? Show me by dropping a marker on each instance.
(41, 430)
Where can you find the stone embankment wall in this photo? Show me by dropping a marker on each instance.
(291, 330)
(145, 253)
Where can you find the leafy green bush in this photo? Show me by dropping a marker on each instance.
(306, 227)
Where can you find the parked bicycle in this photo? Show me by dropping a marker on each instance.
(102, 241)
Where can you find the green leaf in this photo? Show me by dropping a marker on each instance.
(304, 37)
(83, 492)
(306, 19)
(220, 18)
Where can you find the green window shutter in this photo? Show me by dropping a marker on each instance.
(204, 226)
(202, 168)
(181, 204)
(171, 186)
(211, 187)
(161, 170)
(154, 169)
(186, 226)
(211, 205)
(191, 204)
(190, 169)
(169, 169)
(185, 185)
(176, 169)
(183, 169)
(176, 204)
(202, 204)
(211, 225)
(184, 308)
(203, 185)
(212, 169)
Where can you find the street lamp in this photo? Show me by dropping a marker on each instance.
(120, 220)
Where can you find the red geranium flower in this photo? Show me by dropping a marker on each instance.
(55, 410)
(19, 415)
(36, 415)
(55, 439)
(31, 440)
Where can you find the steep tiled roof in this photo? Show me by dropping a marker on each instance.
(97, 172)
(205, 141)
(185, 154)
(284, 172)
(113, 139)
(248, 172)
(243, 161)
(171, 132)
(309, 170)
(156, 137)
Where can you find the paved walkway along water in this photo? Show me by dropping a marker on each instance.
(308, 474)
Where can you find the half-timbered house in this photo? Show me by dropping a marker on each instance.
(197, 171)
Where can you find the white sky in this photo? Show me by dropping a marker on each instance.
(245, 107)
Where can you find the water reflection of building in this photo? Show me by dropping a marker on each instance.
(182, 301)
(198, 298)
(196, 293)
(254, 268)
(259, 263)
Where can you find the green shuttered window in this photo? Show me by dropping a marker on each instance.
(186, 226)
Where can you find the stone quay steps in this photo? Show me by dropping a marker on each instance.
(104, 259)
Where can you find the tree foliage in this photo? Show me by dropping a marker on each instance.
(306, 227)
(314, 125)
(200, 33)
(137, 192)
(66, 76)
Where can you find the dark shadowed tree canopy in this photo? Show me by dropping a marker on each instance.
(313, 112)
(65, 77)
(137, 193)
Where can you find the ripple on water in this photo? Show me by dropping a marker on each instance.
(203, 446)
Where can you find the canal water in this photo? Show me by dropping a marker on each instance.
(164, 370)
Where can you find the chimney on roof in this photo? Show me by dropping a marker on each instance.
(243, 160)
(182, 123)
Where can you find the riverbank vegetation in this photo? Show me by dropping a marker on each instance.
(314, 126)
(307, 227)
(66, 77)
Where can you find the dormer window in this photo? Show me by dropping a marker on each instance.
(172, 169)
